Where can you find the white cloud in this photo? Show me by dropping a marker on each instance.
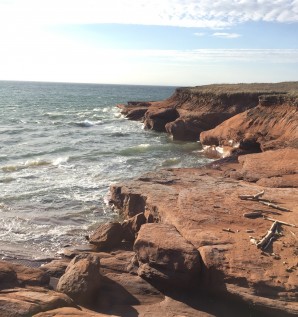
(185, 13)
(226, 35)
(199, 34)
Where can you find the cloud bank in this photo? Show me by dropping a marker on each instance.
(181, 13)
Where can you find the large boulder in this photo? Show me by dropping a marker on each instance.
(82, 279)
(107, 236)
(165, 257)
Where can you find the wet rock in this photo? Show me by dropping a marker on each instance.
(82, 279)
(132, 226)
(107, 236)
(157, 118)
(165, 257)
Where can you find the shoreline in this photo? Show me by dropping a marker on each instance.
(193, 230)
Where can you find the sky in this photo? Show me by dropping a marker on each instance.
(149, 42)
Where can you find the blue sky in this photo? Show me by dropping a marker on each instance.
(155, 42)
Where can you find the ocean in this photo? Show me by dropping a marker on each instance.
(61, 146)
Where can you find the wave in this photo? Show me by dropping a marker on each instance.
(33, 163)
(171, 161)
(87, 123)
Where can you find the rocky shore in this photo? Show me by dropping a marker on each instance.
(220, 240)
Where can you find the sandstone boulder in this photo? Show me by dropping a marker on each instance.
(26, 302)
(55, 268)
(107, 236)
(26, 276)
(82, 279)
(8, 276)
(71, 312)
(281, 172)
(165, 257)
(132, 226)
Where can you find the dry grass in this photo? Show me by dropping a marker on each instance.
(290, 88)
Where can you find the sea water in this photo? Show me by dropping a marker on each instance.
(61, 146)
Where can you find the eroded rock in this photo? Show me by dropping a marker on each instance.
(165, 257)
(107, 236)
(82, 279)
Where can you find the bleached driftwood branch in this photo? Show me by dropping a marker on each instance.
(252, 197)
(281, 222)
(264, 242)
(274, 206)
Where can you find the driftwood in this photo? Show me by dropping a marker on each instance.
(252, 197)
(274, 206)
(281, 222)
(264, 242)
(228, 230)
(253, 214)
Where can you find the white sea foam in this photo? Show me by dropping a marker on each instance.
(60, 160)
(88, 123)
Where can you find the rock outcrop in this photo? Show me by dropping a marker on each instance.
(189, 111)
(165, 258)
(270, 125)
(206, 211)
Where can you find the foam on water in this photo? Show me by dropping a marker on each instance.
(61, 146)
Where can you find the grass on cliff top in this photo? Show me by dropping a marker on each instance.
(290, 88)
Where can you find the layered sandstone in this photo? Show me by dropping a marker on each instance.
(270, 125)
(205, 208)
(189, 111)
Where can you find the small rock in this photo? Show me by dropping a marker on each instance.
(107, 236)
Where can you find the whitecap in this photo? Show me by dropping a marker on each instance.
(60, 160)
(87, 123)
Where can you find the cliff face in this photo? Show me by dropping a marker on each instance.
(190, 111)
(270, 125)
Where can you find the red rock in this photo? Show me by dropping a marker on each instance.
(82, 279)
(165, 257)
(263, 127)
(283, 163)
(24, 302)
(26, 276)
(107, 236)
(55, 268)
(132, 226)
(157, 118)
(71, 312)
(8, 276)
(200, 203)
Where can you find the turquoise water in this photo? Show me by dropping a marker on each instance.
(61, 146)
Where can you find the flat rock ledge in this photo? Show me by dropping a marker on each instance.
(204, 207)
